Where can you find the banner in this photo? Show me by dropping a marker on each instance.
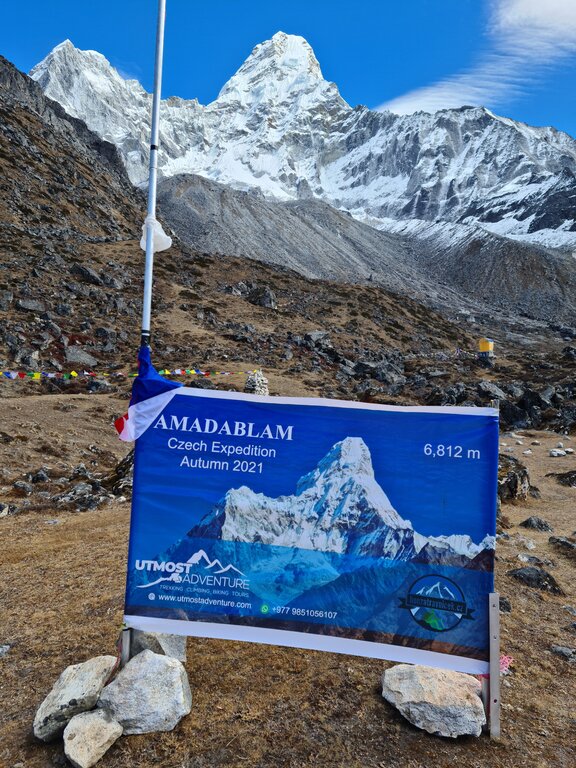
(323, 524)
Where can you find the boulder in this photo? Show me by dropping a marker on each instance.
(537, 578)
(151, 693)
(263, 297)
(167, 645)
(30, 305)
(439, 701)
(76, 690)
(536, 524)
(567, 653)
(79, 356)
(488, 389)
(513, 479)
(87, 274)
(88, 736)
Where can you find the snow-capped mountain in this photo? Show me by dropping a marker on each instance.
(277, 125)
(339, 507)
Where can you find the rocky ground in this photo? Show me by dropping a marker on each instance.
(62, 599)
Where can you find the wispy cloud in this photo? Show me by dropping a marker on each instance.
(525, 38)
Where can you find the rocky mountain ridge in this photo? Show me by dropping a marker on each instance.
(277, 125)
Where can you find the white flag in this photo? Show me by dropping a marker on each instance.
(161, 241)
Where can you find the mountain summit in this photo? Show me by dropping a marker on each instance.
(277, 68)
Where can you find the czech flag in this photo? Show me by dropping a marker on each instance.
(150, 394)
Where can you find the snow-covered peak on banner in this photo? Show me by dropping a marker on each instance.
(338, 507)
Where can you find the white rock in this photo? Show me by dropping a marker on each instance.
(519, 442)
(535, 442)
(88, 736)
(527, 453)
(568, 450)
(441, 702)
(556, 452)
(76, 690)
(151, 693)
(559, 445)
(167, 645)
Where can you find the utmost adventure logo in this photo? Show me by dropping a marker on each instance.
(436, 603)
(215, 573)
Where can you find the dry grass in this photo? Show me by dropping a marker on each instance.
(254, 705)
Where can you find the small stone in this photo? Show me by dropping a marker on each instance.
(88, 736)
(556, 453)
(76, 690)
(151, 693)
(560, 445)
(167, 645)
(535, 442)
(564, 545)
(519, 442)
(4, 650)
(571, 610)
(567, 653)
(505, 605)
(536, 524)
(568, 451)
(527, 453)
(439, 701)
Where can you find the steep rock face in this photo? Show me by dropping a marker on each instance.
(279, 126)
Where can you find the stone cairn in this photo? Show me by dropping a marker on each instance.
(92, 704)
(256, 384)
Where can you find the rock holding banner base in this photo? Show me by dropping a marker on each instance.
(441, 702)
(166, 645)
(151, 693)
(88, 736)
(76, 690)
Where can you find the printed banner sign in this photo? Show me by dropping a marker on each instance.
(323, 524)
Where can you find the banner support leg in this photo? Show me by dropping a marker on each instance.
(125, 643)
(493, 711)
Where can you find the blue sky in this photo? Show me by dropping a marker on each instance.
(518, 57)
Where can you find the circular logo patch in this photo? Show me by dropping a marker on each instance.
(436, 603)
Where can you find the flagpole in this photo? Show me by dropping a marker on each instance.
(153, 176)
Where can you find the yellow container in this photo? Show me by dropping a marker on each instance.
(485, 345)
